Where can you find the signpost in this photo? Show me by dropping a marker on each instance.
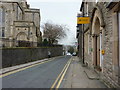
(83, 20)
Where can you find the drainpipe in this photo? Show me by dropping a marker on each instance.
(83, 36)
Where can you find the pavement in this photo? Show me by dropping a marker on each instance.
(78, 76)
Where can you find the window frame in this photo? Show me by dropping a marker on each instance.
(3, 12)
(0, 22)
(17, 13)
(3, 31)
(33, 18)
(88, 44)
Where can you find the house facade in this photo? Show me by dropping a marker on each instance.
(19, 24)
(102, 40)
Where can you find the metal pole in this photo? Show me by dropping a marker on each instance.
(83, 45)
(83, 37)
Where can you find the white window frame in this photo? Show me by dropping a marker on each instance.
(96, 1)
(101, 56)
(87, 9)
(88, 44)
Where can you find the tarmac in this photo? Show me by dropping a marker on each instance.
(79, 76)
(9, 69)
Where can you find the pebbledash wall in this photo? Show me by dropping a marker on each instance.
(16, 56)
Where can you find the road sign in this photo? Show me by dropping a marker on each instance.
(83, 20)
(103, 52)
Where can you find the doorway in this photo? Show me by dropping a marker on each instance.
(97, 39)
(97, 50)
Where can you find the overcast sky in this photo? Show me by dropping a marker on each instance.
(59, 12)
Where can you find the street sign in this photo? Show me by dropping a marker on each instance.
(103, 52)
(83, 20)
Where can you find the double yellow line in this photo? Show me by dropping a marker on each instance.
(18, 70)
(60, 77)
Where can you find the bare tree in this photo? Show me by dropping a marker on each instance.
(54, 32)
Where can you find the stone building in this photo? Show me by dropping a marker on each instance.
(19, 24)
(102, 39)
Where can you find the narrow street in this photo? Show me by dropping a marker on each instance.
(40, 76)
(59, 72)
(59, 44)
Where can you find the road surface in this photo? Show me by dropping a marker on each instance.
(44, 75)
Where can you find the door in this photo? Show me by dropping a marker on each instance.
(95, 50)
(101, 56)
(98, 50)
(96, 53)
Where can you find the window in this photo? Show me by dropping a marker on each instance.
(3, 16)
(96, 1)
(0, 17)
(17, 13)
(3, 32)
(33, 16)
(86, 7)
(2, 22)
(88, 44)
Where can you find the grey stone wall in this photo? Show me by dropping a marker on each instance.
(16, 56)
(109, 73)
(88, 56)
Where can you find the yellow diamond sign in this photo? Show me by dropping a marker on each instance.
(83, 20)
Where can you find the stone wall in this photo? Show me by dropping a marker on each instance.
(88, 54)
(107, 45)
(16, 56)
(109, 73)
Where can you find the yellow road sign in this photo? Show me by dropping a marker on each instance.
(83, 20)
(103, 52)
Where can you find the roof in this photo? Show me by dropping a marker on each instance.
(111, 4)
(13, 0)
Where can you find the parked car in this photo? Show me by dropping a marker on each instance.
(74, 54)
(69, 54)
